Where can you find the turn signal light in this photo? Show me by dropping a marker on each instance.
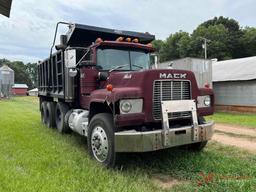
(120, 39)
(135, 40)
(98, 40)
(109, 87)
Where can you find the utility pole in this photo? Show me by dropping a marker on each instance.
(205, 46)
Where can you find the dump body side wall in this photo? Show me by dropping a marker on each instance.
(54, 79)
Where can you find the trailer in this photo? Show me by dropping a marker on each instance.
(99, 84)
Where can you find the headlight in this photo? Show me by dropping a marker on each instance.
(131, 106)
(203, 101)
(207, 101)
(126, 106)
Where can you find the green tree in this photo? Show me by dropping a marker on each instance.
(234, 33)
(31, 69)
(175, 46)
(218, 45)
(248, 41)
(157, 44)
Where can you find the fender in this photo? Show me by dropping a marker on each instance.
(207, 110)
(102, 95)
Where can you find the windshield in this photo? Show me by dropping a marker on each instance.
(108, 59)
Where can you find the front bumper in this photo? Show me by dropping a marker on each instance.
(134, 141)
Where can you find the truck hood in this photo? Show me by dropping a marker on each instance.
(142, 79)
(140, 84)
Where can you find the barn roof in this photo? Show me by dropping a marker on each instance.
(5, 7)
(234, 69)
(24, 86)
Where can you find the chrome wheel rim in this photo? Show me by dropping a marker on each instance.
(99, 144)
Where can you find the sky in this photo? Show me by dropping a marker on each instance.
(28, 34)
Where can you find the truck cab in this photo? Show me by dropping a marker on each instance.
(100, 84)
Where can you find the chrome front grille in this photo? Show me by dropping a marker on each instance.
(166, 90)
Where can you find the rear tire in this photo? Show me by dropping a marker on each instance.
(60, 112)
(50, 112)
(100, 140)
(43, 112)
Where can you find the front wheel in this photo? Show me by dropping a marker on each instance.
(197, 146)
(101, 139)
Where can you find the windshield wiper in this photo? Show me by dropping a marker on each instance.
(137, 66)
(118, 67)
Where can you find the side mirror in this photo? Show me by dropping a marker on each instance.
(63, 43)
(103, 76)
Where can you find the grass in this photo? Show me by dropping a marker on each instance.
(247, 120)
(36, 158)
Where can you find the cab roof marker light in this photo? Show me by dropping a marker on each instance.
(120, 39)
(98, 40)
(136, 40)
(128, 39)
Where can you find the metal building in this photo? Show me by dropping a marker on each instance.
(234, 83)
(6, 81)
(202, 68)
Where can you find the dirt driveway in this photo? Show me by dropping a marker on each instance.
(241, 137)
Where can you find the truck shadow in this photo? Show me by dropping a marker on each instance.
(175, 162)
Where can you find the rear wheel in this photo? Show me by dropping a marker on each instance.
(101, 139)
(60, 112)
(43, 112)
(50, 113)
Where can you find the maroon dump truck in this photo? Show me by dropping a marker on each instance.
(99, 84)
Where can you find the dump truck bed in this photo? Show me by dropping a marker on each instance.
(84, 35)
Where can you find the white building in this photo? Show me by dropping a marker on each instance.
(33, 92)
(234, 83)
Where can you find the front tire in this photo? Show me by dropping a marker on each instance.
(199, 146)
(100, 141)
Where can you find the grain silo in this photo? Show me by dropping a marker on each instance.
(6, 81)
